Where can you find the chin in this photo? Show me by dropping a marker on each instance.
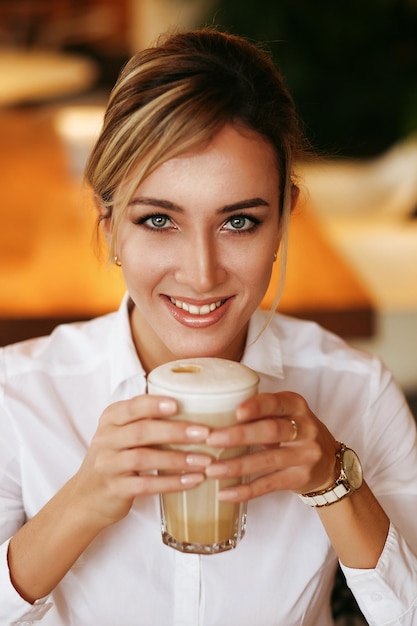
(199, 350)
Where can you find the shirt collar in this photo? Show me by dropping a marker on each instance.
(262, 352)
(124, 360)
(263, 347)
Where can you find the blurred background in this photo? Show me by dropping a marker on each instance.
(352, 68)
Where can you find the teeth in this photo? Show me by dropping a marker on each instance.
(197, 310)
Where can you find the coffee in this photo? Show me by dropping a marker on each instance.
(208, 390)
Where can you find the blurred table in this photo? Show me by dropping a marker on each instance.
(49, 271)
(320, 285)
(35, 75)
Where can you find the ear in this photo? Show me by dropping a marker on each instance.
(104, 217)
(106, 226)
(295, 193)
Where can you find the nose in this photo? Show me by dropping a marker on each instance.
(200, 266)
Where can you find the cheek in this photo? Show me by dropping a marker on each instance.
(263, 275)
(141, 266)
(256, 269)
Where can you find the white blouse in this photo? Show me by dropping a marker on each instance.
(52, 392)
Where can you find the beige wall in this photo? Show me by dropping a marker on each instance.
(149, 18)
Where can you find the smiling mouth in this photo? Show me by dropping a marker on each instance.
(197, 310)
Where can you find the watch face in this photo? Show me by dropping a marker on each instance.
(352, 468)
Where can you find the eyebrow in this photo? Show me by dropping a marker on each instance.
(250, 203)
(162, 204)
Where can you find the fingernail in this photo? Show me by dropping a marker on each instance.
(191, 479)
(216, 470)
(218, 439)
(167, 406)
(197, 433)
(242, 414)
(199, 460)
(228, 494)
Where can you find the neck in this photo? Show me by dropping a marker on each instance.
(152, 352)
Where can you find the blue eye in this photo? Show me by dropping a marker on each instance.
(159, 221)
(155, 222)
(241, 223)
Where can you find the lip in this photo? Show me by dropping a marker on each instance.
(198, 321)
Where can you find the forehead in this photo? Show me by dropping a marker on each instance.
(234, 156)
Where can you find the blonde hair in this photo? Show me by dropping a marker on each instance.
(176, 96)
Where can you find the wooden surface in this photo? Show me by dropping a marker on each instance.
(32, 75)
(319, 283)
(50, 272)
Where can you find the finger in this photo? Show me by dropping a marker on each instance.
(259, 462)
(139, 460)
(298, 468)
(260, 432)
(139, 407)
(136, 485)
(287, 479)
(281, 404)
(147, 432)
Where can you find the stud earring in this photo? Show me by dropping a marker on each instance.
(117, 261)
(275, 257)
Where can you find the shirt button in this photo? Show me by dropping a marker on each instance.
(376, 596)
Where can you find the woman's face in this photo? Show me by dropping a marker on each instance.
(197, 245)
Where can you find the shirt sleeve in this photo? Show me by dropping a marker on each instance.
(13, 608)
(387, 595)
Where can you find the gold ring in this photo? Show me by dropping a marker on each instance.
(294, 431)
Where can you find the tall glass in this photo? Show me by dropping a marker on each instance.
(208, 391)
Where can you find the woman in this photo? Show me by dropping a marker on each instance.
(193, 179)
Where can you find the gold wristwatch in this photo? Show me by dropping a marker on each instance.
(349, 479)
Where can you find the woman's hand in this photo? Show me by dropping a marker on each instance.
(125, 455)
(292, 448)
(119, 465)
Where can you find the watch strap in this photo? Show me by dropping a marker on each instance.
(327, 497)
(335, 492)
